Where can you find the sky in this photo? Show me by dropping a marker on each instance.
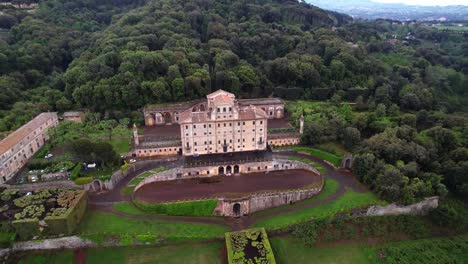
(426, 2)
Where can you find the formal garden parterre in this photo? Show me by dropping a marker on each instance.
(48, 212)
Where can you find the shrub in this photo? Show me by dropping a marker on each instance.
(306, 232)
(43, 151)
(84, 180)
(125, 166)
(76, 172)
(6, 239)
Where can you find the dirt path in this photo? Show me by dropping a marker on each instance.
(103, 202)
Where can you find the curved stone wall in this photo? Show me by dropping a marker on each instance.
(210, 171)
(251, 202)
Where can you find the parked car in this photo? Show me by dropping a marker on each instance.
(132, 160)
(48, 156)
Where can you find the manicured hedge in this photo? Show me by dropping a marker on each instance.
(241, 247)
(26, 228)
(192, 208)
(67, 223)
(6, 239)
(55, 225)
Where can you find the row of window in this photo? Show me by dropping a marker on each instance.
(224, 124)
(230, 141)
(159, 150)
(219, 132)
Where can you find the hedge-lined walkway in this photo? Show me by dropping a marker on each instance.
(345, 180)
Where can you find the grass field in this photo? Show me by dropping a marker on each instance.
(314, 164)
(436, 250)
(323, 155)
(95, 223)
(291, 251)
(454, 28)
(200, 253)
(334, 147)
(135, 181)
(121, 145)
(51, 257)
(348, 200)
(331, 186)
(191, 208)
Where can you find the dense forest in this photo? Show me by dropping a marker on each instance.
(408, 83)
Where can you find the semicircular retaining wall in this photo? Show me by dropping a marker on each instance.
(251, 202)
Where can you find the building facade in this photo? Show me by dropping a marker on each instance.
(168, 114)
(76, 116)
(19, 146)
(218, 124)
(222, 127)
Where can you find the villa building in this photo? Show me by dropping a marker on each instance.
(19, 146)
(219, 124)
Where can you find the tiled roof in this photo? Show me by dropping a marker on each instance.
(222, 100)
(22, 132)
(260, 101)
(173, 107)
(72, 114)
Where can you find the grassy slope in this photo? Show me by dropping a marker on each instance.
(135, 181)
(51, 257)
(203, 253)
(331, 186)
(436, 250)
(316, 165)
(334, 159)
(289, 250)
(348, 200)
(192, 208)
(104, 223)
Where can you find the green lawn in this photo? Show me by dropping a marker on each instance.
(314, 164)
(121, 145)
(348, 200)
(331, 186)
(289, 250)
(51, 257)
(189, 208)
(129, 208)
(96, 223)
(435, 250)
(334, 147)
(200, 253)
(135, 181)
(323, 155)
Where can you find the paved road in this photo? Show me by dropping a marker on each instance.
(103, 202)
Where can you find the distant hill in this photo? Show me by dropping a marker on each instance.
(372, 10)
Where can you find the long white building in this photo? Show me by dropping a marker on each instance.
(18, 147)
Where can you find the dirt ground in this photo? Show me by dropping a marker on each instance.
(227, 186)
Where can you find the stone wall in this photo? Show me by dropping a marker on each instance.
(262, 201)
(252, 202)
(421, 208)
(209, 171)
(133, 170)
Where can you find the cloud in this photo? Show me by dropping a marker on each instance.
(426, 2)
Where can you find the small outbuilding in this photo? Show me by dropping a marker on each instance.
(75, 116)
